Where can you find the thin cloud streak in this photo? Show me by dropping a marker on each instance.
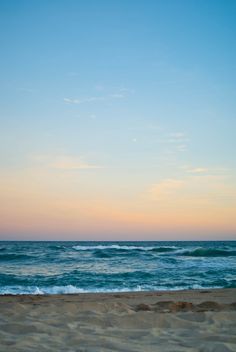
(165, 188)
(71, 165)
(64, 162)
(198, 170)
(93, 99)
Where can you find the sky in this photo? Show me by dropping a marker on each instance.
(118, 120)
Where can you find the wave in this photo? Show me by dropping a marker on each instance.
(164, 249)
(35, 290)
(208, 252)
(102, 254)
(125, 248)
(9, 257)
(71, 289)
(55, 290)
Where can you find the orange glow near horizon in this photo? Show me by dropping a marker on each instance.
(167, 208)
(120, 123)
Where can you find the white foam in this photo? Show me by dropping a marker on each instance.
(20, 290)
(70, 289)
(116, 246)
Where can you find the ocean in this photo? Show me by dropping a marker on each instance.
(74, 267)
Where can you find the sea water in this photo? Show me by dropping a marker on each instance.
(73, 267)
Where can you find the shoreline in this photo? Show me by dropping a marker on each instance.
(112, 293)
(165, 321)
(191, 294)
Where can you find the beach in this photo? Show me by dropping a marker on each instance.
(189, 320)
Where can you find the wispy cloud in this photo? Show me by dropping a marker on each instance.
(196, 189)
(175, 142)
(64, 162)
(178, 140)
(153, 127)
(204, 171)
(27, 90)
(83, 100)
(177, 137)
(165, 188)
(182, 147)
(198, 170)
(72, 101)
(93, 99)
(127, 90)
(70, 163)
(117, 96)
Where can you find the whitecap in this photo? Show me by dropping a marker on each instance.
(123, 247)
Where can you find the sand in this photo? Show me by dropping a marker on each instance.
(195, 320)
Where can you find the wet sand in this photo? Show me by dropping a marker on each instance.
(194, 320)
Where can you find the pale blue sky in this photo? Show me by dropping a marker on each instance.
(132, 92)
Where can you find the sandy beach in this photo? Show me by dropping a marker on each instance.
(194, 320)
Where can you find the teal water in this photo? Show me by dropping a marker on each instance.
(71, 267)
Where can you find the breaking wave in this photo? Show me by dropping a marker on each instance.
(77, 267)
(209, 252)
(125, 248)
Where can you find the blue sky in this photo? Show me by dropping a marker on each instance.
(111, 101)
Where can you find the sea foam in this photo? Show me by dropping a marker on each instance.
(77, 267)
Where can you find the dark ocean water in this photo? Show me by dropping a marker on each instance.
(71, 267)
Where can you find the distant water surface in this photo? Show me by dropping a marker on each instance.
(72, 267)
